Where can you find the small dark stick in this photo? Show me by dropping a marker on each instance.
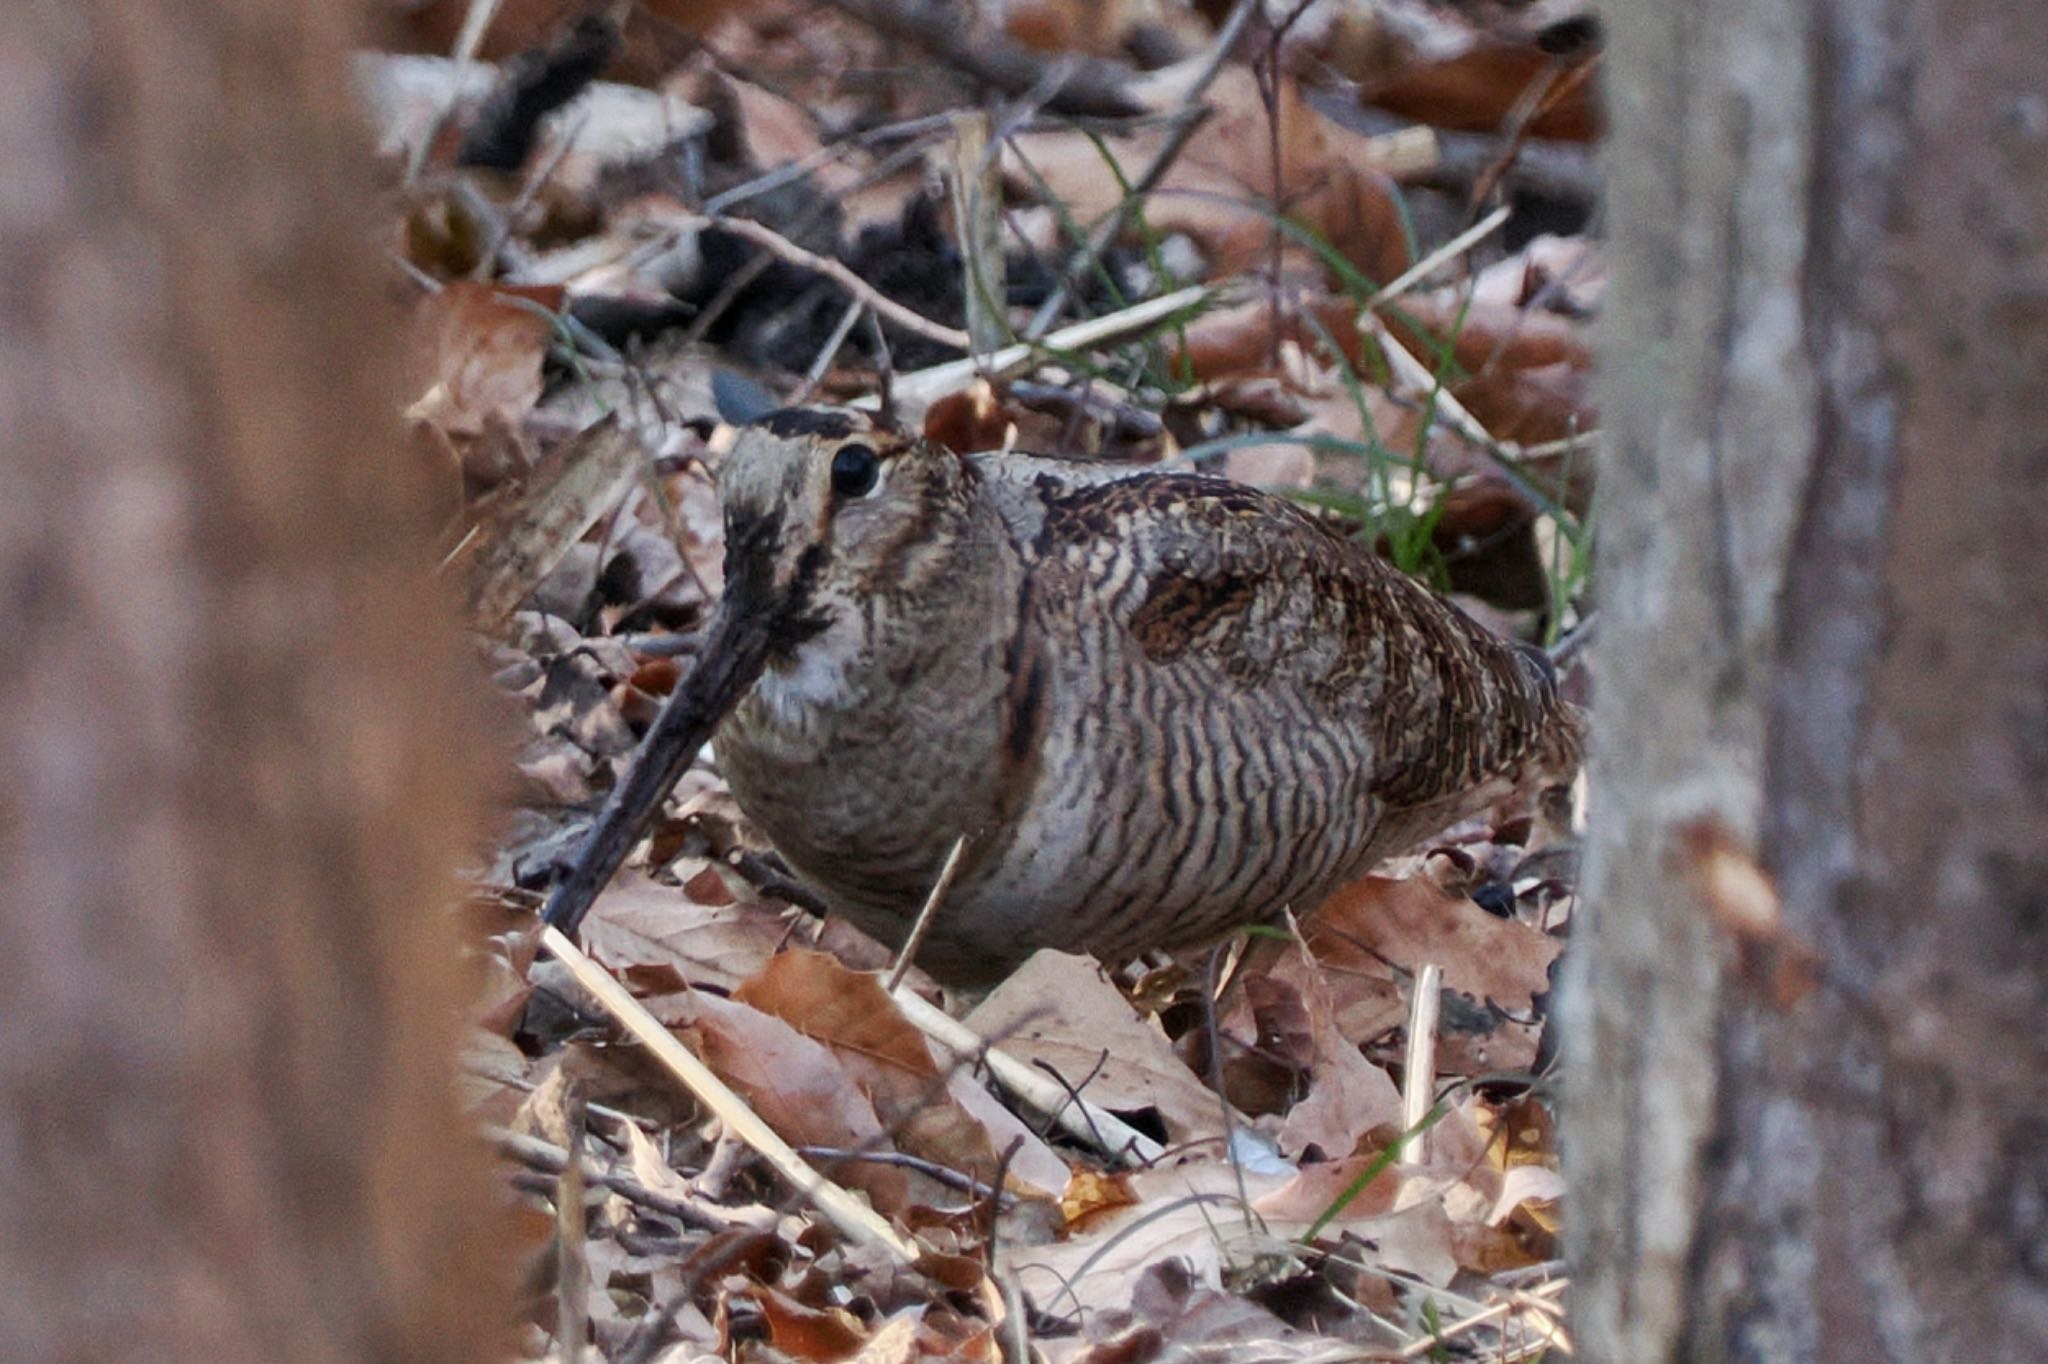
(885, 369)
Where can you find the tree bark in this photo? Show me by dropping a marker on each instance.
(1825, 643)
(237, 764)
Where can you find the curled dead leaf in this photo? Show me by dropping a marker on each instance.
(481, 348)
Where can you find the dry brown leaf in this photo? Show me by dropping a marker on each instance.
(1567, 275)
(1524, 1184)
(1477, 91)
(1410, 922)
(544, 1112)
(1059, 1010)
(638, 926)
(940, 1114)
(1526, 374)
(775, 131)
(895, 1342)
(1426, 1215)
(1242, 339)
(799, 1087)
(1093, 1191)
(1190, 1213)
(1192, 1321)
(1328, 179)
(1348, 1096)
(1100, 28)
(644, 1161)
(481, 351)
(808, 1333)
(492, 1079)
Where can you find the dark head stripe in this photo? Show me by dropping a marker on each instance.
(790, 422)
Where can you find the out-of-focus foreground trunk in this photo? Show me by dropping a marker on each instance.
(1825, 649)
(235, 760)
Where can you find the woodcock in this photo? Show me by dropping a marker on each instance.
(1159, 705)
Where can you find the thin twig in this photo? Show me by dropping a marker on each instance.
(1435, 260)
(977, 200)
(885, 368)
(853, 1217)
(501, 230)
(943, 1174)
(804, 165)
(908, 953)
(549, 1159)
(778, 245)
(653, 1329)
(828, 352)
(1546, 1326)
(1190, 116)
(1212, 986)
(730, 291)
(572, 1271)
(922, 387)
(1082, 1120)
(1416, 376)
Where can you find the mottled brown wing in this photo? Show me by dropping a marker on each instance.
(1253, 589)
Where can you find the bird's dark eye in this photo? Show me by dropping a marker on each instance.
(854, 471)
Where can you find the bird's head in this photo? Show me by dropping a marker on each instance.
(825, 509)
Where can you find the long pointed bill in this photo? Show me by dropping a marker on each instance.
(732, 659)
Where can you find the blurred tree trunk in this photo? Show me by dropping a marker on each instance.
(1825, 647)
(235, 769)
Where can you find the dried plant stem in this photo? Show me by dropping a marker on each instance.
(1418, 1063)
(1416, 377)
(1539, 1309)
(548, 1158)
(572, 1273)
(849, 1214)
(1190, 116)
(1082, 1120)
(828, 353)
(924, 386)
(977, 195)
(923, 924)
(1434, 261)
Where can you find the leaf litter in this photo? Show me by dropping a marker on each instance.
(584, 320)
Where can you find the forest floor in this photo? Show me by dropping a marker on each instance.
(1337, 249)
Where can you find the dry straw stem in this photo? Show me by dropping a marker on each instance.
(1540, 1315)
(1418, 1064)
(853, 1217)
(520, 546)
(1080, 1119)
(1417, 378)
(923, 922)
(920, 388)
(1435, 260)
(547, 1158)
(475, 24)
(977, 195)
